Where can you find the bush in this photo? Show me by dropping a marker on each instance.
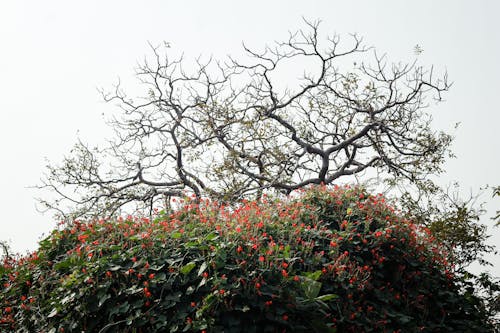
(330, 260)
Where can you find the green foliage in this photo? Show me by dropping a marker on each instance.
(454, 221)
(496, 193)
(329, 260)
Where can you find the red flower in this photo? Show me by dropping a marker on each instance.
(343, 225)
(261, 258)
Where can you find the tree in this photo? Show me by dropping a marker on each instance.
(453, 220)
(231, 130)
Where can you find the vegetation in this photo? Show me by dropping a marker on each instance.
(326, 260)
(231, 130)
(228, 259)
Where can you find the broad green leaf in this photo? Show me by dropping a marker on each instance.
(186, 269)
(124, 308)
(313, 275)
(311, 288)
(203, 267)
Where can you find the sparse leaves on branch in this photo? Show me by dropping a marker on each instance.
(232, 129)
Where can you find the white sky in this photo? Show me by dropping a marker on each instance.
(54, 54)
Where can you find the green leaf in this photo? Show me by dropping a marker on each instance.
(286, 252)
(311, 288)
(123, 308)
(68, 298)
(103, 298)
(327, 297)
(212, 236)
(203, 267)
(160, 277)
(115, 268)
(186, 269)
(189, 290)
(313, 275)
(156, 268)
(133, 290)
(52, 313)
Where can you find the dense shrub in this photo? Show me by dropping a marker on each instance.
(330, 260)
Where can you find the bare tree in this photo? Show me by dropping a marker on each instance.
(233, 129)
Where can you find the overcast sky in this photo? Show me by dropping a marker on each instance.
(55, 54)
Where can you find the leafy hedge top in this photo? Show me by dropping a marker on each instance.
(332, 260)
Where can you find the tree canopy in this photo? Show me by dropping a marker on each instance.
(232, 129)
